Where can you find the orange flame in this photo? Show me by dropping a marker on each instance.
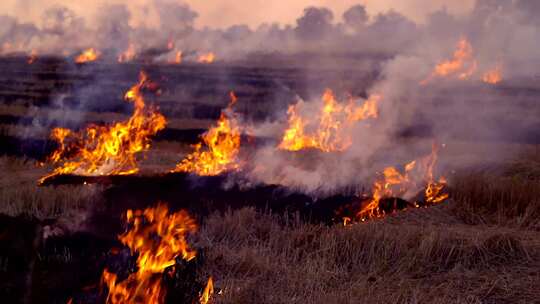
(128, 55)
(331, 126)
(434, 189)
(207, 292)
(207, 58)
(159, 238)
(104, 150)
(88, 55)
(222, 145)
(177, 58)
(493, 76)
(393, 183)
(462, 64)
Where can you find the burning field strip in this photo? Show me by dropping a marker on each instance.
(277, 165)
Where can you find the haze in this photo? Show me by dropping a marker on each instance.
(223, 13)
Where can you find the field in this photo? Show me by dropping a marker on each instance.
(480, 246)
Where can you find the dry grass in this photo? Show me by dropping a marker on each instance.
(494, 200)
(19, 193)
(259, 259)
(507, 195)
(483, 247)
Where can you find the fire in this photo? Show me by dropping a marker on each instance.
(330, 129)
(462, 65)
(128, 55)
(221, 147)
(434, 190)
(105, 150)
(159, 238)
(493, 76)
(394, 183)
(207, 58)
(207, 292)
(88, 55)
(177, 57)
(33, 57)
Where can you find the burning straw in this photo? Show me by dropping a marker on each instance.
(112, 149)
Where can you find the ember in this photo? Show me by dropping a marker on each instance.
(207, 58)
(88, 55)
(178, 57)
(493, 76)
(33, 57)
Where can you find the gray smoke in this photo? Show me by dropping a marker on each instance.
(399, 53)
(464, 114)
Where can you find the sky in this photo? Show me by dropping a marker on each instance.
(224, 13)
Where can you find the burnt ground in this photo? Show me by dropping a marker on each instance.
(265, 243)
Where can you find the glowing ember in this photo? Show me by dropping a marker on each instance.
(88, 55)
(105, 150)
(394, 183)
(128, 55)
(330, 129)
(177, 58)
(33, 57)
(159, 238)
(462, 65)
(493, 76)
(219, 149)
(207, 58)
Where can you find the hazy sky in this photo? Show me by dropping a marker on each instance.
(220, 13)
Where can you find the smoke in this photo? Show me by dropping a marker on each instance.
(61, 31)
(399, 54)
(447, 110)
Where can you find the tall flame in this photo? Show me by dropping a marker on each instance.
(88, 55)
(434, 189)
(218, 151)
(493, 76)
(331, 127)
(104, 150)
(462, 65)
(207, 292)
(393, 183)
(207, 58)
(159, 238)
